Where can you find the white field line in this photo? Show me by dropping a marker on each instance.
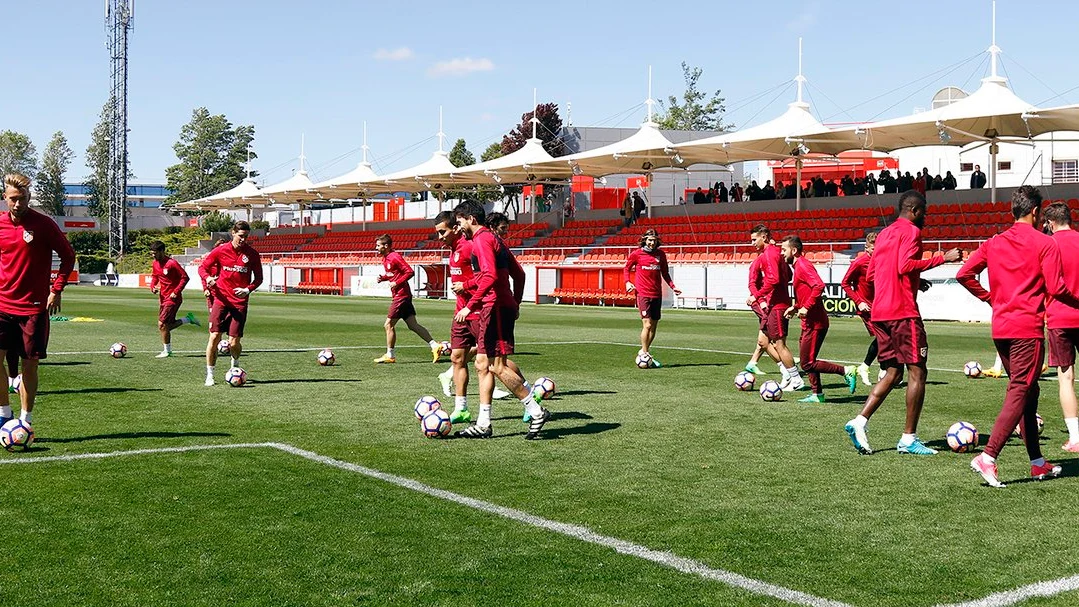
(667, 559)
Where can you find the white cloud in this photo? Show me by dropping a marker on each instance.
(460, 67)
(397, 54)
(805, 20)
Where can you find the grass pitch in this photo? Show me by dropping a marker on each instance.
(673, 459)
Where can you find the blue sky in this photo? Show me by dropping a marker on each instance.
(323, 67)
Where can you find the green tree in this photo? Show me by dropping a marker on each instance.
(493, 151)
(17, 154)
(211, 153)
(50, 181)
(696, 111)
(460, 156)
(97, 160)
(216, 221)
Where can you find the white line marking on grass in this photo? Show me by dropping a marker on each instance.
(109, 454)
(1018, 595)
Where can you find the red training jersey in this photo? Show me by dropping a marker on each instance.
(895, 270)
(756, 278)
(1024, 267)
(493, 265)
(398, 272)
(234, 269)
(1060, 314)
(776, 278)
(461, 271)
(26, 250)
(856, 281)
(170, 278)
(651, 267)
(808, 289)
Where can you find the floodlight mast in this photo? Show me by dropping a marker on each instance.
(119, 20)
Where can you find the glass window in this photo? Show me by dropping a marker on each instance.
(966, 167)
(1066, 171)
(1004, 165)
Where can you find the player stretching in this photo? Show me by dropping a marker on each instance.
(398, 273)
(498, 308)
(168, 281)
(773, 299)
(808, 288)
(858, 288)
(756, 279)
(230, 272)
(651, 267)
(1024, 267)
(27, 241)
(1062, 319)
(896, 273)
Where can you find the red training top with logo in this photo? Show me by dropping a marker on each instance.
(1059, 314)
(26, 262)
(234, 269)
(776, 278)
(399, 273)
(808, 288)
(1024, 268)
(170, 278)
(461, 271)
(856, 282)
(756, 278)
(493, 265)
(651, 269)
(896, 271)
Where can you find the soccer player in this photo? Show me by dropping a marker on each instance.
(808, 288)
(27, 241)
(398, 273)
(1062, 319)
(756, 279)
(230, 272)
(167, 281)
(773, 298)
(651, 267)
(896, 273)
(498, 307)
(860, 291)
(1024, 268)
(206, 291)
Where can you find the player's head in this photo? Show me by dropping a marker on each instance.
(870, 242)
(650, 240)
(1026, 200)
(17, 193)
(1057, 216)
(446, 227)
(792, 248)
(499, 223)
(470, 216)
(240, 231)
(759, 236)
(158, 249)
(912, 206)
(384, 244)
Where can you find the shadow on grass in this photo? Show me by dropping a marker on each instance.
(557, 433)
(97, 391)
(131, 435)
(66, 363)
(677, 365)
(582, 392)
(1068, 467)
(301, 380)
(555, 415)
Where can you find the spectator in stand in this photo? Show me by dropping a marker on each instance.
(790, 190)
(710, 197)
(753, 191)
(699, 197)
(920, 183)
(870, 184)
(723, 194)
(888, 181)
(768, 192)
(977, 178)
(846, 185)
(737, 194)
(640, 208)
(627, 211)
(905, 182)
(831, 188)
(818, 188)
(949, 181)
(859, 186)
(938, 182)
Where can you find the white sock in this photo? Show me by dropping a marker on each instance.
(209, 370)
(907, 439)
(1073, 428)
(390, 352)
(460, 403)
(5, 411)
(793, 372)
(988, 458)
(235, 362)
(168, 348)
(998, 364)
(26, 416)
(860, 421)
(532, 408)
(1038, 462)
(449, 371)
(783, 373)
(528, 386)
(484, 420)
(434, 344)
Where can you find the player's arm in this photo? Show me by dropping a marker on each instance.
(184, 278)
(816, 288)
(517, 274)
(665, 272)
(855, 274)
(769, 282)
(911, 256)
(209, 269)
(402, 272)
(62, 247)
(487, 274)
(1053, 271)
(256, 271)
(968, 274)
(155, 277)
(631, 262)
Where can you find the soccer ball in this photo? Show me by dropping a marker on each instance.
(326, 357)
(543, 388)
(972, 369)
(644, 360)
(436, 424)
(236, 377)
(15, 384)
(1041, 425)
(118, 349)
(744, 381)
(445, 348)
(770, 391)
(962, 437)
(16, 435)
(223, 347)
(425, 406)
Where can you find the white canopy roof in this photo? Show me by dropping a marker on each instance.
(343, 186)
(245, 195)
(642, 152)
(412, 179)
(528, 164)
(293, 189)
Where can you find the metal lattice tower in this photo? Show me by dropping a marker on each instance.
(119, 16)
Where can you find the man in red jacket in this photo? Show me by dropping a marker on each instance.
(1024, 270)
(167, 281)
(1062, 319)
(856, 285)
(230, 272)
(398, 273)
(649, 265)
(28, 294)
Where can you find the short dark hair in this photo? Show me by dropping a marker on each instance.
(473, 209)
(157, 246)
(1058, 213)
(241, 225)
(386, 238)
(446, 217)
(760, 228)
(795, 242)
(911, 200)
(1025, 200)
(651, 232)
(496, 219)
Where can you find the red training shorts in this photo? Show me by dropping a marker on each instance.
(227, 319)
(169, 308)
(495, 331)
(650, 307)
(1062, 344)
(461, 335)
(26, 334)
(902, 341)
(401, 308)
(775, 325)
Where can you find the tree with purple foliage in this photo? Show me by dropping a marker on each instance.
(548, 131)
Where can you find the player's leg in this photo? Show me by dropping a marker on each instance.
(425, 335)
(28, 393)
(391, 341)
(486, 339)
(997, 370)
(12, 358)
(238, 320)
(35, 343)
(5, 396)
(870, 354)
(1062, 345)
(914, 353)
(1032, 352)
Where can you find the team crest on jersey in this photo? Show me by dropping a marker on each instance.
(456, 256)
(243, 258)
(924, 352)
(28, 236)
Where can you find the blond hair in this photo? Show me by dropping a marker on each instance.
(18, 181)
